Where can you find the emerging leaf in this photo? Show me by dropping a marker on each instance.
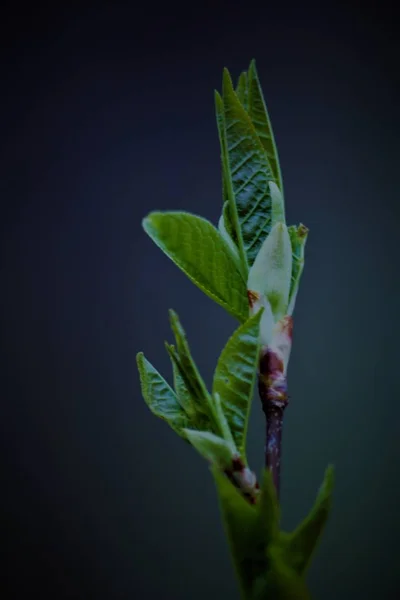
(223, 424)
(277, 204)
(234, 377)
(219, 114)
(268, 508)
(241, 523)
(159, 396)
(298, 237)
(271, 272)
(212, 447)
(242, 90)
(301, 544)
(187, 369)
(225, 229)
(181, 390)
(248, 173)
(197, 248)
(259, 115)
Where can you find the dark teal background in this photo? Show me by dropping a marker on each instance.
(107, 113)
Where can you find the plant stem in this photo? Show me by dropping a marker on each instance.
(272, 388)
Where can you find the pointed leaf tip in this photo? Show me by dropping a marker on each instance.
(227, 84)
(301, 543)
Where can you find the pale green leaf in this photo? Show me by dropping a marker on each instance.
(247, 175)
(197, 248)
(235, 375)
(159, 396)
(212, 447)
(259, 115)
(271, 272)
(277, 204)
(298, 238)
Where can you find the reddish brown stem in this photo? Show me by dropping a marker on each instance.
(273, 394)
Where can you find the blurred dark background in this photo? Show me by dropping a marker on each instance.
(107, 113)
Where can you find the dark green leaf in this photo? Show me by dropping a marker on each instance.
(247, 175)
(159, 396)
(242, 91)
(259, 115)
(234, 377)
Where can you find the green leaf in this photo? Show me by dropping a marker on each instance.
(242, 527)
(259, 115)
(301, 543)
(242, 91)
(219, 114)
(187, 368)
(234, 377)
(227, 233)
(277, 204)
(268, 507)
(271, 272)
(181, 390)
(159, 396)
(223, 424)
(279, 582)
(248, 174)
(212, 447)
(197, 248)
(298, 237)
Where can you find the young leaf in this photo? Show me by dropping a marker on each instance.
(181, 390)
(259, 115)
(188, 394)
(279, 582)
(225, 229)
(271, 272)
(223, 424)
(159, 396)
(186, 366)
(257, 302)
(298, 237)
(212, 447)
(301, 544)
(234, 377)
(268, 507)
(219, 114)
(242, 91)
(247, 175)
(229, 211)
(277, 204)
(198, 250)
(241, 523)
